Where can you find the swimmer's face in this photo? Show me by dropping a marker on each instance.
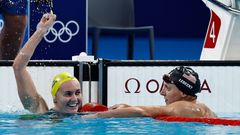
(68, 98)
(171, 93)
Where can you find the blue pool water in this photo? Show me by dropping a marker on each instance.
(11, 123)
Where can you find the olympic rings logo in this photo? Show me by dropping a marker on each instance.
(1, 24)
(59, 33)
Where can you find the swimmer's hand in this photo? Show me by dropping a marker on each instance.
(118, 106)
(90, 116)
(46, 22)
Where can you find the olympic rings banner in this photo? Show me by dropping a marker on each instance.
(67, 37)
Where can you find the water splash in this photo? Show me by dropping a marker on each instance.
(11, 3)
(12, 109)
(42, 6)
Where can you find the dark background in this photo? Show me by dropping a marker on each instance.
(173, 18)
(180, 28)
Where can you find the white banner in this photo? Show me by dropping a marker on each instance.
(140, 85)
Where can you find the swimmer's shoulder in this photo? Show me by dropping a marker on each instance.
(195, 109)
(206, 110)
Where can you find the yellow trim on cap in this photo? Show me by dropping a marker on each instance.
(59, 79)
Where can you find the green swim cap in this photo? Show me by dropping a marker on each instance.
(59, 79)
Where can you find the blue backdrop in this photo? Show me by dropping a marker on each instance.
(173, 18)
(68, 35)
(180, 28)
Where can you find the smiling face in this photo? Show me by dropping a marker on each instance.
(68, 98)
(171, 93)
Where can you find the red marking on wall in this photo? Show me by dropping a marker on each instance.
(213, 31)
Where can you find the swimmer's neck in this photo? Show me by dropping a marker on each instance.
(190, 99)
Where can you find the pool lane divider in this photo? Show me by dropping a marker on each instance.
(214, 121)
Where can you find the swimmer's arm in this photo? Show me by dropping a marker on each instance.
(134, 111)
(118, 106)
(27, 92)
(26, 88)
(31, 100)
(154, 111)
(149, 111)
(27, 51)
(118, 113)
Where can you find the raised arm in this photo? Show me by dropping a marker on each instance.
(27, 92)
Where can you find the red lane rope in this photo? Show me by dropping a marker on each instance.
(215, 121)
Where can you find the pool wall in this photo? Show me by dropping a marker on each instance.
(133, 82)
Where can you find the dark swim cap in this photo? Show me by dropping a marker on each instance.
(185, 78)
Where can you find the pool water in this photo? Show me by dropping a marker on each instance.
(12, 123)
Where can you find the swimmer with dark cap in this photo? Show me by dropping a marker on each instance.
(66, 91)
(180, 87)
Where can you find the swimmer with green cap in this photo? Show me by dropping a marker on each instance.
(66, 91)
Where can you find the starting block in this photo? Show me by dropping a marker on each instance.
(222, 41)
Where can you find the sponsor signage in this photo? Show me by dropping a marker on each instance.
(141, 85)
